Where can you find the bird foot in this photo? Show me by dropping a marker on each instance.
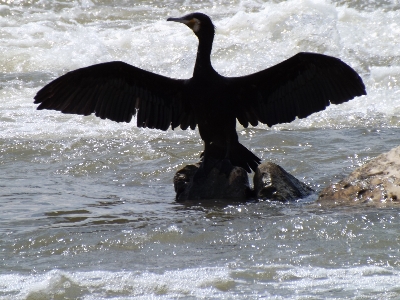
(224, 166)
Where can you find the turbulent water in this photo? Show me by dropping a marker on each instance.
(88, 207)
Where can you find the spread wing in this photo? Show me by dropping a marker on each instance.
(115, 90)
(297, 87)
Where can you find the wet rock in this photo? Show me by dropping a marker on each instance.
(272, 182)
(375, 182)
(182, 181)
(216, 185)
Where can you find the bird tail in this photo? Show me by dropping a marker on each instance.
(242, 157)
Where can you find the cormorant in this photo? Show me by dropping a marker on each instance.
(297, 87)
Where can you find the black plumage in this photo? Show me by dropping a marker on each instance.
(297, 87)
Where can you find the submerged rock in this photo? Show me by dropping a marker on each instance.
(377, 181)
(270, 182)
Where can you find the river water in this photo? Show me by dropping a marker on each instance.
(88, 207)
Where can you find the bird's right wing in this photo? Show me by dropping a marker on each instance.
(115, 90)
(297, 87)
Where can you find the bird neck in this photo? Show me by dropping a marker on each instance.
(203, 60)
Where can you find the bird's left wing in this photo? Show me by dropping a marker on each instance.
(115, 90)
(297, 87)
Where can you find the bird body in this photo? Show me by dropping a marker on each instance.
(213, 105)
(297, 87)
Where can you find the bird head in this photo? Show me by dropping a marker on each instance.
(198, 22)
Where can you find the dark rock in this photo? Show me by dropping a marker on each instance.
(182, 180)
(272, 182)
(376, 182)
(215, 186)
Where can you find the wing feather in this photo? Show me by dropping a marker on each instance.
(115, 91)
(297, 87)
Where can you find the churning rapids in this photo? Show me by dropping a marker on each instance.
(88, 207)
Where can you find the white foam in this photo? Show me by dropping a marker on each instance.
(51, 40)
(221, 282)
(201, 282)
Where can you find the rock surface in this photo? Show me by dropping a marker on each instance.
(378, 181)
(215, 185)
(270, 181)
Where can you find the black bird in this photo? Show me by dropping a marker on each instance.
(297, 87)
